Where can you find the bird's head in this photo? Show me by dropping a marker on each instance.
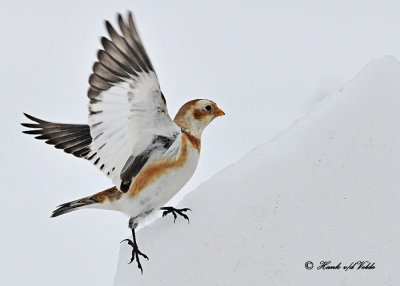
(196, 114)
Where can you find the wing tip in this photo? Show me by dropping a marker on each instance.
(130, 15)
(104, 41)
(120, 19)
(35, 119)
(110, 28)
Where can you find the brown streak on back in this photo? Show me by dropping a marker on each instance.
(155, 170)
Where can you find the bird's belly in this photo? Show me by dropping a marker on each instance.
(155, 195)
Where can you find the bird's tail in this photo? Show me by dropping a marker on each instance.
(94, 201)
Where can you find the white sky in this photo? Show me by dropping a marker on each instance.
(263, 62)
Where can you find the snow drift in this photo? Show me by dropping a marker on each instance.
(327, 189)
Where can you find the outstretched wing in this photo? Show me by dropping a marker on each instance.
(128, 116)
(74, 139)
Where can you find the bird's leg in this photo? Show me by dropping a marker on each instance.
(135, 250)
(175, 211)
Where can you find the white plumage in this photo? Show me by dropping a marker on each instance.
(125, 120)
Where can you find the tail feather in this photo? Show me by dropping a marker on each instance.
(71, 206)
(108, 195)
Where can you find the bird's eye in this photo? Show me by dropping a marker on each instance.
(208, 107)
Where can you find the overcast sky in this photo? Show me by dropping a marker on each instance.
(264, 62)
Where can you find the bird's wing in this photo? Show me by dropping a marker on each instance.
(74, 139)
(128, 115)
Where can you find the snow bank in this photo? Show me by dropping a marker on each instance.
(326, 189)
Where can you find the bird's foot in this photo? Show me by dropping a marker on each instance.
(135, 253)
(175, 211)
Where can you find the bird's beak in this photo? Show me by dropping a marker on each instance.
(219, 112)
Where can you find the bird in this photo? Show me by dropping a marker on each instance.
(130, 135)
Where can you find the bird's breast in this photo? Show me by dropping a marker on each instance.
(167, 173)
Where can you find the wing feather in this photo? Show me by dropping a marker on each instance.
(129, 124)
(127, 110)
(72, 138)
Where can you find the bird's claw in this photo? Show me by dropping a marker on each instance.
(135, 253)
(174, 211)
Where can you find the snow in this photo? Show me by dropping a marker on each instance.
(325, 189)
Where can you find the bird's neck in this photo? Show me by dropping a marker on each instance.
(194, 140)
(188, 126)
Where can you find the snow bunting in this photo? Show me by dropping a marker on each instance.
(130, 136)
